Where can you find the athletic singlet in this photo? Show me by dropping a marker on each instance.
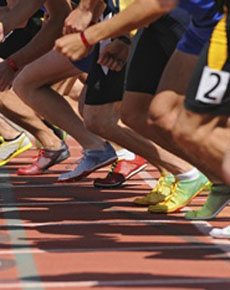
(204, 12)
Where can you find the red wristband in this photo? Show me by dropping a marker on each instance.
(84, 40)
(12, 64)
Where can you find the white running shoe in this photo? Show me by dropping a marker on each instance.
(219, 233)
(10, 149)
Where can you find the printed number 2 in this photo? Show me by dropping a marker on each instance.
(213, 86)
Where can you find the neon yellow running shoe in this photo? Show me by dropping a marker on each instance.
(183, 192)
(10, 149)
(218, 198)
(160, 192)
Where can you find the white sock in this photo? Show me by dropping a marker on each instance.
(125, 154)
(190, 175)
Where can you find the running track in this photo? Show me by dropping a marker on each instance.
(73, 236)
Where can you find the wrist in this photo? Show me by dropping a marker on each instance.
(11, 63)
(84, 40)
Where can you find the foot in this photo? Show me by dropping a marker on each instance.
(182, 194)
(121, 171)
(220, 233)
(11, 149)
(45, 160)
(218, 198)
(160, 192)
(91, 161)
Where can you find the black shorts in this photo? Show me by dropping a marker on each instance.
(153, 50)
(104, 88)
(19, 38)
(209, 88)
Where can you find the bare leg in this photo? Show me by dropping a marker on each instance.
(7, 131)
(32, 85)
(14, 109)
(103, 120)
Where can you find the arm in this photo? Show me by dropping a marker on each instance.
(22, 11)
(44, 40)
(138, 14)
(88, 11)
(39, 45)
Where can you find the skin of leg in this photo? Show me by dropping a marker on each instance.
(33, 85)
(225, 167)
(205, 137)
(14, 109)
(103, 120)
(7, 131)
(158, 123)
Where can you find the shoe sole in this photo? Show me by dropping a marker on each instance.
(178, 209)
(213, 215)
(86, 173)
(121, 182)
(18, 152)
(220, 238)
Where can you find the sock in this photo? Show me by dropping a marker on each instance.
(190, 175)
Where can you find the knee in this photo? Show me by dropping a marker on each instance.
(20, 87)
(189, 135)
(133, 119)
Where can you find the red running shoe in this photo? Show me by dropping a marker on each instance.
(121, 171)
(45, 159)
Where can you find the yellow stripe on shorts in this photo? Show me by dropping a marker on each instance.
(218, 50)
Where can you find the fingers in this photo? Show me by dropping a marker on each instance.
(111, 62)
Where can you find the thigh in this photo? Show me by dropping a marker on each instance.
(47, 70)
(177, 73)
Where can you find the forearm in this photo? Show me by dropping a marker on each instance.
(22, 11)
(96, 7)
(138, 14)
(40, 44)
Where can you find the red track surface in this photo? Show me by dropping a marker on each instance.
(73, 236)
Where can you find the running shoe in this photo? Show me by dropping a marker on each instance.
(91, 161)
(218, 233)
(11, 149)
(160, 192)
(182, 193)
(218, 198)
(121, 171)
(45, 159)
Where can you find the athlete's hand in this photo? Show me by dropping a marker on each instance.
(72, 46)
(114, 55)
(77, 21)
(7, 75)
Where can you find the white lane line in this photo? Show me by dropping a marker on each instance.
(45, 185)
(81, 284)
(205, 227)
(148, 178)
(40, 204)
(108, 250)
(91, 223)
